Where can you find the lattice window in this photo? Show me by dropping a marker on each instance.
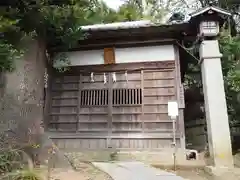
(94, 97)
(127, 96)
(99, 97)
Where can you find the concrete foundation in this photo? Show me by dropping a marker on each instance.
(163, 159)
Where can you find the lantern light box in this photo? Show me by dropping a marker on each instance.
(209, 28)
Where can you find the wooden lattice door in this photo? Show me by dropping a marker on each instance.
(114, 107)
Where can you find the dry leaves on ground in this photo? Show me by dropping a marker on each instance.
(84, 171)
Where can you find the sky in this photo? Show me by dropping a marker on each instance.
(114, 3)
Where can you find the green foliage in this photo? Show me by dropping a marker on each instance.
(15, 163)
(54, 22)
(130, 11)
(7, 51)
(153, 10)
(24, 174)
(13, 166)
(230, 48)
(8, 54)
(101, 13)
(57, 23)
(9, 160)
(6, 23)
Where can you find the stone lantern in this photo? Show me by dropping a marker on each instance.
(208, 21)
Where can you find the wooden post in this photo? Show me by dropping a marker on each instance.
(180, 100)
(142, 97)
(110, 109)
(79, 101)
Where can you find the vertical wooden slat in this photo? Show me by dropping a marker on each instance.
(110, 110)
(117, 96)
(136, 96)
(103, 97)
(90, 97)
(106, 96)
(123, 96)
(100, 95)
(94, 97)
(85, 97)
(139, 96)
(130, 96)
(97, 99)
(142, 98)
(79, 101)
(114, 96)
(127, 96)
(90, 100)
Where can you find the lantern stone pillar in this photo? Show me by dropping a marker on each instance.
(219, 140)
(208, 21)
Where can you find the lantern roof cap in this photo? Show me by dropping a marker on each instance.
(208, 9)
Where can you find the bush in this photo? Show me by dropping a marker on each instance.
(25, 174)
(16, 165)
(9, 160)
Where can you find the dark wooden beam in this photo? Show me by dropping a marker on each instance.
(75, 70)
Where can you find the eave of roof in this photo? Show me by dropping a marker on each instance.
(124, 25)
(147, 23)
(118, 25)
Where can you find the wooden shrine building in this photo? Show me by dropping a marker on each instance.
(116, 91)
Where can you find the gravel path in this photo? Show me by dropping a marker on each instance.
(194, 175)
